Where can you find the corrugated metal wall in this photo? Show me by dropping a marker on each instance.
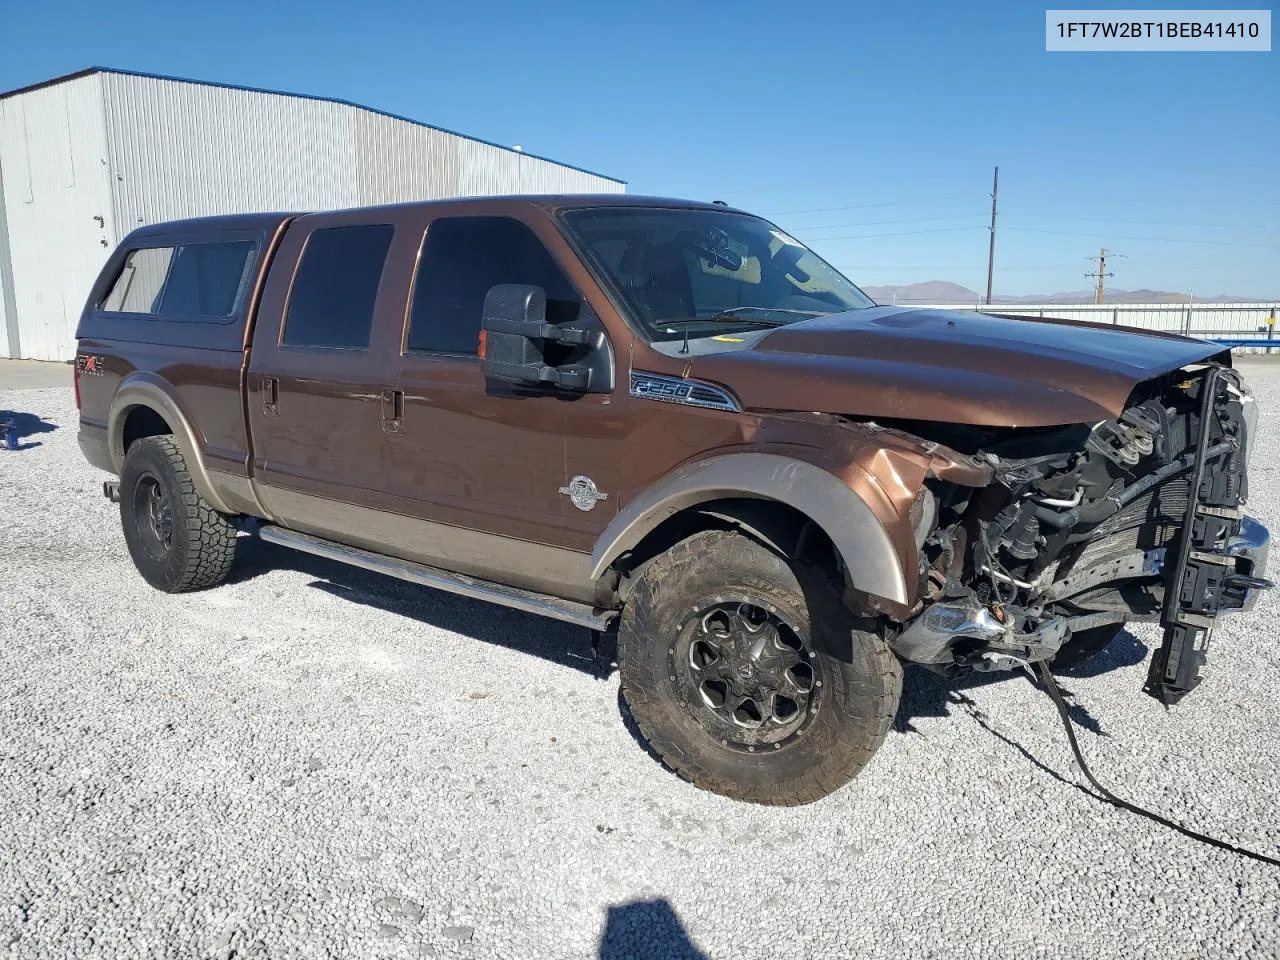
(188, 149)
(134, 150)
(54, 158)
(398, 161)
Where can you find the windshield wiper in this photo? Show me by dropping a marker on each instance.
(730, 315)
(720, 319)
(732, 312)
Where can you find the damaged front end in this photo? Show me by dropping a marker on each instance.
(1138, 518)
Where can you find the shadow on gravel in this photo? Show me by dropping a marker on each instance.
(926, 694)
(560, 643)
(646, 928)
(633, 728)
(982, 720)
(27, 424)
(1124, 651)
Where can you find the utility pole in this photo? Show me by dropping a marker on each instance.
(991, 250)
(1101, 275)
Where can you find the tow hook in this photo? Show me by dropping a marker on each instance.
(111, 490)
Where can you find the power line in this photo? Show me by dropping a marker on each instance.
(827, 184)
(901, 233)
(1212, 203)
(865, 206)
(1223, 243)
(1155, 223)
(877, 223)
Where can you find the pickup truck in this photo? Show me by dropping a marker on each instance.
(672, 421)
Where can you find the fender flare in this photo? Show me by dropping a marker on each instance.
(864, 545)
(148, 390)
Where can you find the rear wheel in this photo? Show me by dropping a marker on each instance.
(747, 676)
(177, 541)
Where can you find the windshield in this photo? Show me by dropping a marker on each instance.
(701, 273)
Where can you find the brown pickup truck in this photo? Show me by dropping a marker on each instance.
(673, 420)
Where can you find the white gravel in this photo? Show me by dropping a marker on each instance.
(313, 761)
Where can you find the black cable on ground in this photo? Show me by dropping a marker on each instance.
(1051, 688)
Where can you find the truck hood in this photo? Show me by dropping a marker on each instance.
(949, 366)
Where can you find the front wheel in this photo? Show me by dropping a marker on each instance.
(746, 675)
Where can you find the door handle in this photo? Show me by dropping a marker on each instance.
(393, 411)
(271, 396)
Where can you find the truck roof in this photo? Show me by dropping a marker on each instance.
(269, 221)
(234, 221)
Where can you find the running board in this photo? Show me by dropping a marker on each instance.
(592, 618)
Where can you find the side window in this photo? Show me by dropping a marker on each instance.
(141, 280)
(462, 258)
(205, 279)
(188, 280)
(334, 290)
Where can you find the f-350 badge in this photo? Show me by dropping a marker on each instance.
(582, 493)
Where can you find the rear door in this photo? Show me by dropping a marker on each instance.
(322, 369)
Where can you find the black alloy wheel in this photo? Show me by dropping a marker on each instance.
(748, 674)
(152, 506)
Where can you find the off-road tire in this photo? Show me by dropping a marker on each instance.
(863, 679)
(1085, 645)
(201, 545)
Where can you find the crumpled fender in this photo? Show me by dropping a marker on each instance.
(875, 565)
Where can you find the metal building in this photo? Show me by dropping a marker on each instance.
(87, 157)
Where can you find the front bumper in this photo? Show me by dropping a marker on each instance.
(1218, 564)
(1249, 549)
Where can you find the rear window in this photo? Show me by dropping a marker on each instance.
(336, 287)
(185, 281)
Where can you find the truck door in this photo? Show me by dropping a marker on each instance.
(481, 459)
(322, 359)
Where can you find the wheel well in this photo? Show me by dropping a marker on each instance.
(782, 528)
(143, 422)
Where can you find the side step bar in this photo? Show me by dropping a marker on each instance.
(581, 614)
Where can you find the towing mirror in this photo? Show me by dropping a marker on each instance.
(517, 343)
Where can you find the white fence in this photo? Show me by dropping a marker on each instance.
(1213, 321)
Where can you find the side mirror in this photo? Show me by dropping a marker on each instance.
(516, 340)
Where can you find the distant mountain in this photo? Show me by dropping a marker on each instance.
(943, 291)
(1124, 296)
(931, 291)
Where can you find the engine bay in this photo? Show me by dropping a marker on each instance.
(1085, 527)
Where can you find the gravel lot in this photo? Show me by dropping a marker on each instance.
(314, 761)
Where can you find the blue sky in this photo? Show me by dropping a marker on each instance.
(868, 130)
